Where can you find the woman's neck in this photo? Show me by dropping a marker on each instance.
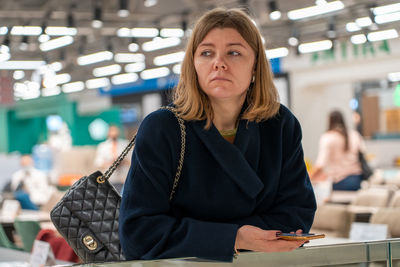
(225, 115)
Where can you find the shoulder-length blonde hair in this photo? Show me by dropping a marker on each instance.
(262, 97)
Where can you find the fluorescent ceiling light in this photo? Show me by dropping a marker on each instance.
(124, 32)
(56, 43)
(21, 65)
(160, 43)
(55, 66)
(150, 3)
(386, 9)
(124, 78)
(172, 32)
(18, 75)
(277, 52)
(154, 73)
(385, 18)
(128, 57)
(51, 91)
(144, 32)
(27, 90)
(73, 87)
(358, 39)
(4, 57)
(315, 10)
(133, 47)
(54, 80)
(97, 83)
(169, 58)
(59, 31)
(364, 22)
(3, 30)
(315, 46)
(352, 27)
(26, 30)
(95, 58)
(107, 70)
(394, 76)
(177, 69)
(135, 67)
(4, 49)
(382, 35)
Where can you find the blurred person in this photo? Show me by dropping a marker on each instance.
(243, 179)
(108, 151)
(31, 185)
(338, 159)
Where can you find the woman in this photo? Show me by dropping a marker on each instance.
(338, 158)
(243, 177)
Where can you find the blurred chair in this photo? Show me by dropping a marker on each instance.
(373, 197)
(5, 242)
(27, 231)
(395, 201)
(389, 216)
(332, 220)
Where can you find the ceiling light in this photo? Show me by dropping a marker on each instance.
(124, 78)
(26, 30)
(4, 49)
(43, 38)
(144, 32)
(382, 35)
(73, 87)
(177, 69)
(154, 73)
(135, 67)
(315, 46)
(95, 58)
(128, 57)
(386, 9)
(160, 43)
(331, 33)
(124, 32)
(133, 47)
(150, 3)
(274, 14)
(56, 43)
(62, 78)
(51, 91)
(293, 41)
(21, 65)
(169, 58)
(97, 17)
(172, 32)
(358, 39)
(97, 83)
(107, 70)
(394, 76)
(364, 21)
(277, 52)
(4, 57)
(55, 66)
(24, 43)
(352, 27)
(123, 11)
(3, 30)
(59, 31)
(315, 10)
(385, 18)
(18, 75)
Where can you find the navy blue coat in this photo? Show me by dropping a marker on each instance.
(259, 180)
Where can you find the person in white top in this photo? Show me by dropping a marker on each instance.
(32, 181)
(338, 158)
(108, 151)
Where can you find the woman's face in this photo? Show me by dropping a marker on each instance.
(224, 64)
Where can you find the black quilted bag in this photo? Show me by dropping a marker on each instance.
(87, 215)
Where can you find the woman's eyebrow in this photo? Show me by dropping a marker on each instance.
(229, 44)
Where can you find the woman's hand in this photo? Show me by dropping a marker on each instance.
(255, 239)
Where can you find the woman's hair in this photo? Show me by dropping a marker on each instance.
(336, 123)
(262, 97)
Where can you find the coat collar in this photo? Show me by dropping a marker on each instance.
(239, 160)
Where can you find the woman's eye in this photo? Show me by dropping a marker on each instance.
(234, 53)
(205, 53)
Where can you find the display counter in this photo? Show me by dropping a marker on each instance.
(381, 253)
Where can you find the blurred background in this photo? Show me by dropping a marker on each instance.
(71, 69)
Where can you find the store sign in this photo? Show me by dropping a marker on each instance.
(345, 51)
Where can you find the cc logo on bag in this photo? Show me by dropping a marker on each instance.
(89, 242)
(100, 179)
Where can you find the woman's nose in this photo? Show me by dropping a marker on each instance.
(219, 63)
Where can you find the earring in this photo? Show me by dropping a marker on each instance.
(253, 79)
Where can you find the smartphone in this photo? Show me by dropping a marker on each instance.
(304, 236)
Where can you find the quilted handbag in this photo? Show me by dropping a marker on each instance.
(87, 215)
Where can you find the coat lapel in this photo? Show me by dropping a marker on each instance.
(239, 161)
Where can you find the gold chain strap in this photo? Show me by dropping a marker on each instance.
(121, 157)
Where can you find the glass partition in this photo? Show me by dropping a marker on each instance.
(373, 253)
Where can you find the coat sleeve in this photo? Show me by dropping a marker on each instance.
(147, 229)
(294, 203)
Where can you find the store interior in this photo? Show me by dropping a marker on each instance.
(71, 70)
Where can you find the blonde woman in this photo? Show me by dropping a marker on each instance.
(243, 180)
